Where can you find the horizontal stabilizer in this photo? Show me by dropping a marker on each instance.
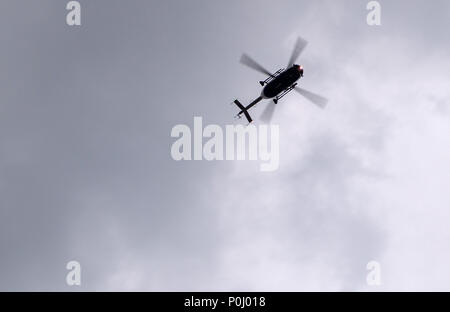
(243, 111)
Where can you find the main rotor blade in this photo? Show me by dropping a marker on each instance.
(300, 45)
(247, 60)
(315, 98)
(267, 114)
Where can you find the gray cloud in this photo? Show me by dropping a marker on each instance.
(86, 173)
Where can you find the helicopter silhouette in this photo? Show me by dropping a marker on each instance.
(278, 84)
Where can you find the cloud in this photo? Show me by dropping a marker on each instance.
(85, 149)
(364, 180)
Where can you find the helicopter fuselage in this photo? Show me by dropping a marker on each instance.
(279, 83)
(282, 82)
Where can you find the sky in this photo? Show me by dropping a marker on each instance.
(86, 173)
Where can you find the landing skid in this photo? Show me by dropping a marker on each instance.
(282, 94)
(272, 77)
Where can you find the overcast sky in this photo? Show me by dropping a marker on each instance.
(86, 173)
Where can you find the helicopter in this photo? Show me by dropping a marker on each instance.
(279, 83)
